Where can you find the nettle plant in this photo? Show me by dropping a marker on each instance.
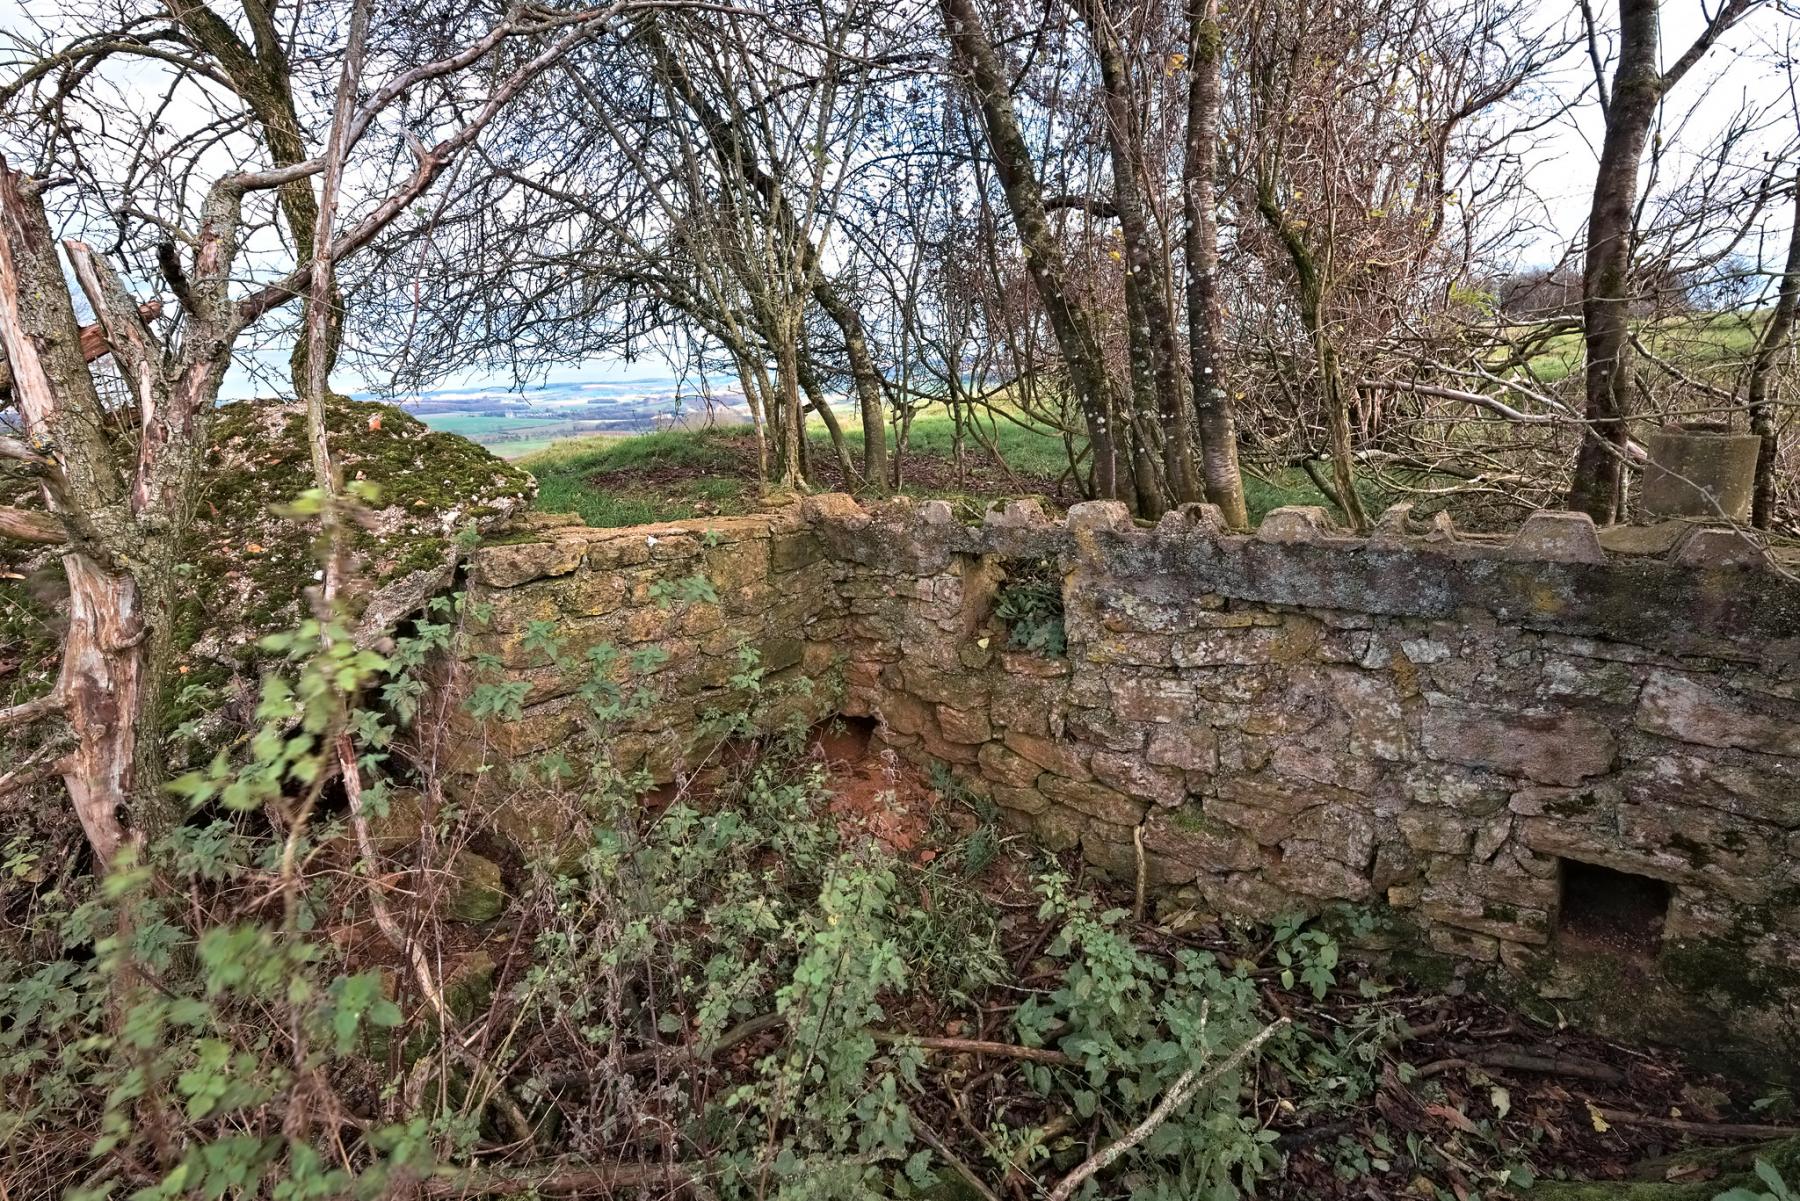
(193, 1029)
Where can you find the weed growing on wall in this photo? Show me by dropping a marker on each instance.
(1030, 602)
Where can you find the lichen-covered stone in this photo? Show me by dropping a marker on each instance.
(1679, 707)
(474, 891)
(1553, 748)
(1555, 537)
(254, 560)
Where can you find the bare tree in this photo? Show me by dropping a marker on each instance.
(126, 521)
(1775, 337)
(1629, 106)
(1216, 418)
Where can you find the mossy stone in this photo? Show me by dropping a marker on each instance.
(476, 892)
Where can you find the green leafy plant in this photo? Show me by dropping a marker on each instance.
(1030, 602)
(1775, 1188)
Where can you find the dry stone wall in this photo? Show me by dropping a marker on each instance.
(707, 600)
(1431, 726)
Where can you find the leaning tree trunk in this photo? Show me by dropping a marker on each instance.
(736, 156)
(1769, 346)
(1605, 288)
(1071, 321)
(1332, 389)
(863, 377)
(816, 400)
(100, 685)
(124, 516)
(1213, 409)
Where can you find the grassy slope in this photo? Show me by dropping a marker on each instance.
(614, 481)
(1714, 347)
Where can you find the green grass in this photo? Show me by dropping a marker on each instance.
(1028, 451)
(1712, 346)
(675, 475)
(565, 472)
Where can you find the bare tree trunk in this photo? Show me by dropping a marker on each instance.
(1070, 320)
(1156, 382)
(755, 383)
(815, 397)
(1213, 408)
(863, 376)
(1331, 377)
(1605, 299)
(101, 679)
(1337, 415)
(263, 79)
(1769, 346)
(793, 426)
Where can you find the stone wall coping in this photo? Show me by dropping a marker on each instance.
(1560, 540)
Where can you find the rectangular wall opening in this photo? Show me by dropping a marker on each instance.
(1607, 910)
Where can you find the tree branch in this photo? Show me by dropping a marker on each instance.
(1185, 1087)
(1733, 12)
(30, 711)
(35, 770)
(29, 525)
(1093, 206)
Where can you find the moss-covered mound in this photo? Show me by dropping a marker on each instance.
(252, 561)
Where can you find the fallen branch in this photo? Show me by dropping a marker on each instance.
(36, 770)
(950, 1157)
(31, 525)
(1186, 1085)
(1498, 408)
(602, 1180)
(976, 1046)
(751, 1027)
(1553, 1065)
(1724, 1130)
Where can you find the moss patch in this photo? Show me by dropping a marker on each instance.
(250, 566)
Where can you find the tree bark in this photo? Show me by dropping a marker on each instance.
(1332, 388)
(100, 681)
(863, 376)
(263, 79)
(1070, 320)
(1213, 408)
(1605, 293)
(787, 380)
(1157, 386)
(29, 525)
(815, 398)
(1769, 346)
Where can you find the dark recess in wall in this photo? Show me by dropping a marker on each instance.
(1609, 910)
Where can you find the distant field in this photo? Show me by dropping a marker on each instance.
(680, 474)
(1713, 346)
